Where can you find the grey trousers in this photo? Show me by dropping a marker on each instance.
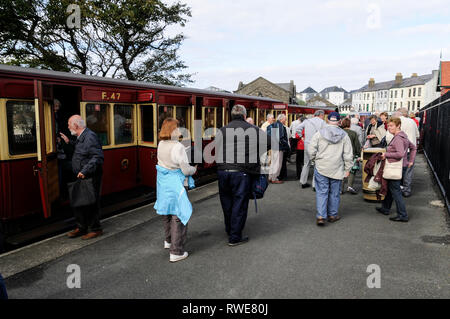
(350, 179)
(176, 234)
(306, 165)
(407, 179)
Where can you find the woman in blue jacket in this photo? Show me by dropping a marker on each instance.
(172, 201)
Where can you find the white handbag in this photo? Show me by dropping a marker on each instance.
(394, 170)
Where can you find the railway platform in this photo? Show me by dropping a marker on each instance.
(287, 256)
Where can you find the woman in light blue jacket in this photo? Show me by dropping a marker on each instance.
(171, 197)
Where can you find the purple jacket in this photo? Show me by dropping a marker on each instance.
(398, 149)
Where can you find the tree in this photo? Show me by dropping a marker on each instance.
(123, 39)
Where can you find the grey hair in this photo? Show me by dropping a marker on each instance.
(397, 113)
(404, 111)
(281, 117)
(319, 113)
(79, 122)
(269, 116)
(354, 120)
(238, 110)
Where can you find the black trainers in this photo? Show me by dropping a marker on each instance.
(399, 219)
(242, 241)
(382, 211)
(306, 185)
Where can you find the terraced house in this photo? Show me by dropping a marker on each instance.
(413, 93)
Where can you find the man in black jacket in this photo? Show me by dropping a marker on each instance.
(87, 162)
(239, 147)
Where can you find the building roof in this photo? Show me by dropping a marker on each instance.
(286, 86)
(309, 90)
(333, 89)
(346, 102)
(444, 77)
(387, 85)
(216, 89)
(319, 101)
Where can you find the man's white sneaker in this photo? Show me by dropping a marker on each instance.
(167, 245)
(175, 258)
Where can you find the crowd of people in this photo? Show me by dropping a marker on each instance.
(333, 146)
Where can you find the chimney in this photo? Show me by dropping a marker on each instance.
(398, 78)
(371, 83)
(241, 85)
(414, 75)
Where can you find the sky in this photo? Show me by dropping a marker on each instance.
(318, 43)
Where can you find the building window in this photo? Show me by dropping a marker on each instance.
(402, 93)
(395, 105)
(413, 105)
(418, 104)
(21, 124)
(420, 92)
(414, 92)
(392, 94)
(395, 94)
(409, 93)
(409, 105)
(401, 104)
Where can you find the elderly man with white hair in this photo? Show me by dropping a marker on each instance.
(270, 120)
(87, 162)
(278, 130)
(311, 127)
(410, 128)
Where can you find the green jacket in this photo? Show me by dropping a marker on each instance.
(355, 142)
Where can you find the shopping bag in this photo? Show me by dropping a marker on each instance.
(82, 193)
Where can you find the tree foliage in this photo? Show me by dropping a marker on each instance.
(119, 38)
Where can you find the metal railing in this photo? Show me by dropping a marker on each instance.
(435, 141)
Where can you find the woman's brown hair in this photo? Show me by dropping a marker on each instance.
(396, 121)
(346, 123)
(167, 128)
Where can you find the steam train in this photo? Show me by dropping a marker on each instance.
(126, 116)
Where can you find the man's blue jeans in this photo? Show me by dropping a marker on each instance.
(328, 195)
(234, 189)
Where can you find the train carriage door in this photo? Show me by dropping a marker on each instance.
(147, 137)
(47, 166)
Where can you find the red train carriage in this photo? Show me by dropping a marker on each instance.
(126, 115)
(295, 110)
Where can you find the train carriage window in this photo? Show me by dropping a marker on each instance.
(183, 117)
(164, 113)
(148, 133)
(123, 124)
(261, 117)
(97, 119)
(209, 118)
(21, 122)
(219, 117)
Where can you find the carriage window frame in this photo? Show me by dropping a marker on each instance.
(109, 120)
(50, 134)
(141, 142)
(4, 138)
(134, 120)
(189, 118)
(215, 122)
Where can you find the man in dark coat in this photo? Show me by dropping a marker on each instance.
(87, 162)
(238, 152)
